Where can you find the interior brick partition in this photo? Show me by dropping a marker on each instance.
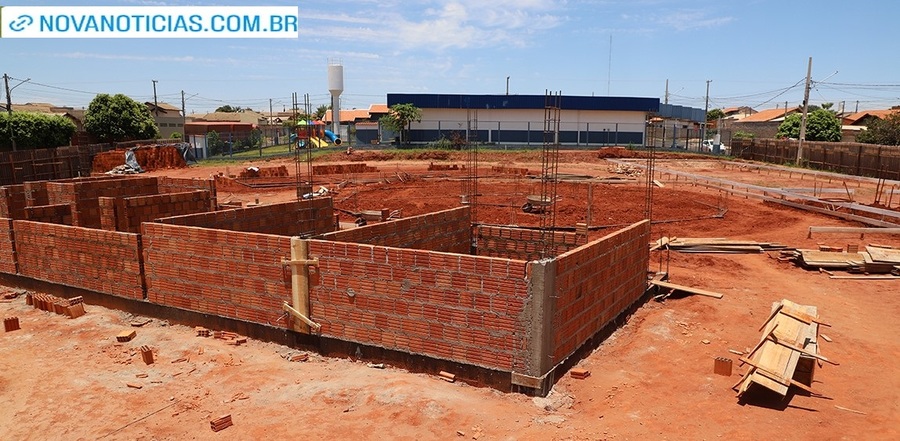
(13, 201)
(127, 214)
(54, 214)
(102, 261)
(298, 218)
(447, 231)
(85, 195)
(522, 243)
(8, 260)
(447, 306)
(595, 283)
(36, 193)
(180, 185)
(225, 273)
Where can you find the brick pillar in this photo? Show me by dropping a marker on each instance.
(538, 323)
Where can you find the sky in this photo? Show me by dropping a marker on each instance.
(750, 53)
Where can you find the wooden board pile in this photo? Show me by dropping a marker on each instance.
(874, 260)
(721, 245)
(788, 351)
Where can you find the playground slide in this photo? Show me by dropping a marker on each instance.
(334, 138)
(318, 142)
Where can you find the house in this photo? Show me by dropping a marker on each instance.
(763, 124)
(865, 117)
(167, 117)
(738, 113)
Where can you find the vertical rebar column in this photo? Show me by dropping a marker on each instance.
(470, 185)
(549, 171)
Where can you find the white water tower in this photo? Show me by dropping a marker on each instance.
(335, 87)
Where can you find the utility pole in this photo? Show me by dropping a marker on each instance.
(155, 105)
(271, 119)
(507, 84)
(805, 110)
(9, 111)
(857, 107)
(609, 67)
(785, 108)
(705, 112)
(666, 100)
(183, 117)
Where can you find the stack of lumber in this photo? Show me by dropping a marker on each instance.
(787, 352)
(874, 260)
(721, 245)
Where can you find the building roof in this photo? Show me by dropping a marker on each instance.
(247, 116)
(856, 118)
(769, 115)
(738, 113)
(165, 107)
(347, 115)
(567, 102)
(379, 108)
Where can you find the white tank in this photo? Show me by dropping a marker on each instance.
(335, 78)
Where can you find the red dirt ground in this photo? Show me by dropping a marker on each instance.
(652, 379)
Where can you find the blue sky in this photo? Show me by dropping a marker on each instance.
(754, 51)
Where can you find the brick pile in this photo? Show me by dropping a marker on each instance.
(447, 231)
(108, 262)
(595, 283)
(444, 167)
(149, 157)
(337, 169)
(73, 308)
(264, 172)
(502, 169)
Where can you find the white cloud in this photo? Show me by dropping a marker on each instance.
(688, 20)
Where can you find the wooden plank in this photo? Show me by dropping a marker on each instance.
(782, 380)
(884, 255)
(300, 283)
(774, 357)
(853, 230)
(686, 289)
(803, 351)
(864, 277)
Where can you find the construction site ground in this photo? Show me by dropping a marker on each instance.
(652, 379)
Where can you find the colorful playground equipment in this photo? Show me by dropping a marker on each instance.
(312, 134)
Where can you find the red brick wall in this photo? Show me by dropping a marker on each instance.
(102, 261)
(7, 247)
(85, 193)
(54, 214)
(315, 216)
(448, 231)
(127, 214)
(522, 244)
(226, 273)
(12, 201)
(36, 193)
(448, 306)
(595, 283)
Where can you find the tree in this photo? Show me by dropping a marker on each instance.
(400, 118)
(715, 114)
(821, 125)
(112, 118)
(882, 131)
(214, 143)
(35, 130)
(176, 135)
(228, 109)
(320, 112)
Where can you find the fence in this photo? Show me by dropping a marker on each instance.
(852, 158)
(528, 132)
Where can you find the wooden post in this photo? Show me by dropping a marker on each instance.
(300, 282)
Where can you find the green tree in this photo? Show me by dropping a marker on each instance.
(399, 119)
(715, 114)
(320, 112)
(34, 130)
(882, 131)
(214, 143)
(176, 135)
(821, 125)
(112, 118)
(228, 109)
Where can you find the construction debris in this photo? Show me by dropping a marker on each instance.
(787, 353)
(147, 354)
(447, 376)
(73, 307)
(11, 324)
(625, 169)
(579, 374)
(722, 366)
(874, 260)
(220, 423)
(686, 289)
